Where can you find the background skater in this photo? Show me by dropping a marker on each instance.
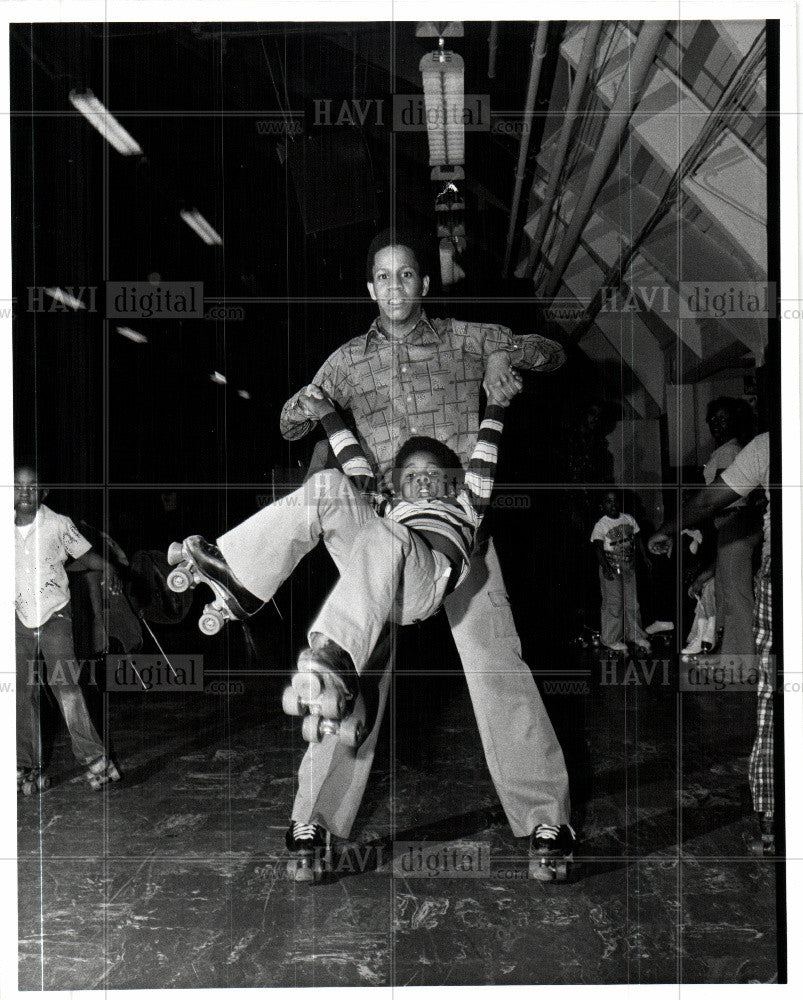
(44, 542)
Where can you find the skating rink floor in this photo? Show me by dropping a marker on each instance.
(176, 876)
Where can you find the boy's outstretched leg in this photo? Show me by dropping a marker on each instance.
(198, 561)
(250, 562)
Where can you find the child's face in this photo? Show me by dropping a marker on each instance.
(27, 495)
(422, 477)
(610, 505)
(397, 287)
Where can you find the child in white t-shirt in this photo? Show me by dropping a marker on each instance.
(614, 538)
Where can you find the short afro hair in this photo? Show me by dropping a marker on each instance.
(441, 452)
(399, 237)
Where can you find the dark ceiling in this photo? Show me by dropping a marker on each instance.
(192, 96)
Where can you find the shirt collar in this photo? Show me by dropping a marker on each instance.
(37, 520)
(423, 332)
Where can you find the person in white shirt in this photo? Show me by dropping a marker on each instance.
(615, 537)
(730, 421)
(44, 542)
(748, 471)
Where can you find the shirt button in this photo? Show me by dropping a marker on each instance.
(404, 368)
(413, 430)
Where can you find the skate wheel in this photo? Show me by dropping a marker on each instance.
(561, 871)
(352, 732)
(178, 581)
(211, 623)
(310, 728)
(290, 703)
(540, 871)
(303, 870)
(307, 685)
(175, 554)
(331, 705)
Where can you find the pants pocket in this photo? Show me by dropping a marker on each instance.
(501, 615)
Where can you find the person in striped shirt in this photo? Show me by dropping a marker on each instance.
(417, 550)
(399, 553)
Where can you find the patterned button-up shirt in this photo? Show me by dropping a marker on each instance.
(41, 552)
(427, 384)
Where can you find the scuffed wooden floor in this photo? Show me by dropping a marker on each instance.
(175, 878)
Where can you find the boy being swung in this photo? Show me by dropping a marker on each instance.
(44, 543)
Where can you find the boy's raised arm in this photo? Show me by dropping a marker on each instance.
(479, 478)
(350, 456)
(294, 421)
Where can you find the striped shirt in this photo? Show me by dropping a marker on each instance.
(427, 384)
(449, 524)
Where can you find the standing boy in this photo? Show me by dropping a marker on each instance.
(44, 542)
(614, 539)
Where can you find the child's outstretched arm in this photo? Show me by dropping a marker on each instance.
(350, 456)
(92, 561)
(500, 388)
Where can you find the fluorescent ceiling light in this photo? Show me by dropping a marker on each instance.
(198, 224)
(65, 298)
(108, 126)
(137, 338)
(444, 107)
(218, 378)
(243, 394)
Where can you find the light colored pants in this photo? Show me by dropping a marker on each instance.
(521, 749)
(620, 614)
(391, 574)
(734, 576)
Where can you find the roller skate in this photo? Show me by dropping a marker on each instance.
(327, 687)
(764, 845)
(310, 847)
(587, 637)
(100, 772)
(551, 852)
(660, 628)
(197, 561)
(614, 647)
(702, 639)
(31, 779)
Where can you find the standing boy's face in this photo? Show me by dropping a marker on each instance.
(610, 505)
(397, 286)
(27, 495)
